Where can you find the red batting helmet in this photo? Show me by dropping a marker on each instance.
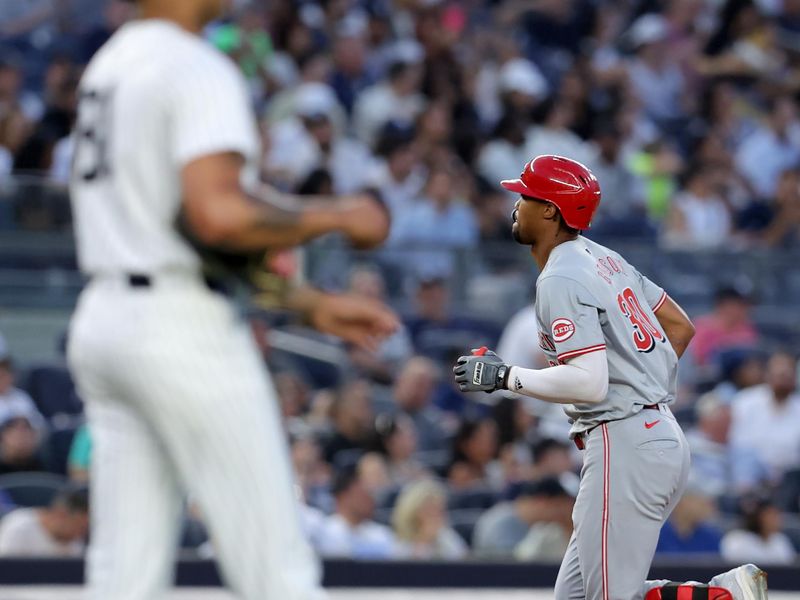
(564, 182)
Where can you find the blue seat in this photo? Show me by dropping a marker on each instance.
(53, 391)
(463, 521)
(477, 499)
(56, 449)
(31, 489)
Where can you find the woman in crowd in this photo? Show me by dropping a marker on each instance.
(420, 523)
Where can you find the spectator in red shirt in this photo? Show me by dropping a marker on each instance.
(727, 326)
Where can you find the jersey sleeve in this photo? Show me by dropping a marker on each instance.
(571, 314)
(210, 111)
(654, 295)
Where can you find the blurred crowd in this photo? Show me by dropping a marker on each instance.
(685, 109)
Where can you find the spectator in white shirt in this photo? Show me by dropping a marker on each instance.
(700, 218)
(397, 101)
(766, 426)
(771, 149)
(14, 402)
(555, 136)
(399, 176)
(655, 74)
(711, 464)
(501, 157)
(310, 140)
(350, 532)
(56, 531)
(761, 540)
(420, 522)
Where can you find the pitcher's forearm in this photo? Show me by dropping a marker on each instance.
(241, 224)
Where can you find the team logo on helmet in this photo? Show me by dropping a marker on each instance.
(563, 329)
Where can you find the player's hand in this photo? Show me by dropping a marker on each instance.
(482, 371)
(361, 321)
(365, 220)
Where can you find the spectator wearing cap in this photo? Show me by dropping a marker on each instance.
(690, 528)
(728, 326)
(397, 100)
(419, 520)
(58, 530)
(773, 148)
(759, 539)
(766, 426)
(711, 469)
(654, 73)
(350, 531)
(311, 141)
(502, 529)
(521, 84)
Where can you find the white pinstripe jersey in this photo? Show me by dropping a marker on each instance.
(588, 298)
(153, 98)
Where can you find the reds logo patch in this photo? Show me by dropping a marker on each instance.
(563, 329)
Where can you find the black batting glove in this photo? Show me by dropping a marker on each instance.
(482, 371)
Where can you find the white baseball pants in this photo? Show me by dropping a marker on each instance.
(179, 401)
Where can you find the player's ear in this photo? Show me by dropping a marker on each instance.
(550, 212)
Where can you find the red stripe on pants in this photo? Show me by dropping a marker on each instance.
(604, 535)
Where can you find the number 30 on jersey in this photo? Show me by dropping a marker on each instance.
(645, 334)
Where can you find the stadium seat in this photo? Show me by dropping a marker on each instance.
(346, 459)
(53, 391)
(387, 498)
(463, 521)
(31, 489)
(475, 499)
(56, 448)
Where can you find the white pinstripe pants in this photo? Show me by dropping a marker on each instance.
(179, 401)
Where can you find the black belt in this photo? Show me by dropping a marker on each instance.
(142, 280)
(578, 439)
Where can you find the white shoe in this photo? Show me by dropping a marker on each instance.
(747, 582)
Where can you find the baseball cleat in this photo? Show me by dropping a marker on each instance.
(747, 582)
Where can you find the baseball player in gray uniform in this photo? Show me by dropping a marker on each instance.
(177, 397)
(613, 339)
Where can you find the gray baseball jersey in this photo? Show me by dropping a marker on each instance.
(588, 298)
(636, 462)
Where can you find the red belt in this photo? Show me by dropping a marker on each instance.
(578, 439)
